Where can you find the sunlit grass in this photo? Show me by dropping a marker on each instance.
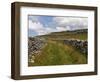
(55, 53)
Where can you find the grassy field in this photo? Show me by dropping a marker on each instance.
(57, 53)
(66, 35)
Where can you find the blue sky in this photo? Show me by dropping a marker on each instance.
(41, 25)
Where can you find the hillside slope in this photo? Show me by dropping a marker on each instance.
(55, 52)
(75, 34)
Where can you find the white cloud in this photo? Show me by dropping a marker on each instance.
(61, 24)
(34, 25)
(71, 22)
(33, 18)
(61, 28)
(39, 28)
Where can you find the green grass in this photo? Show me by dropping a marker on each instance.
(55, 53)
(81, 36)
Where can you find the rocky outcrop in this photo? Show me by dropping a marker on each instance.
(34, 47)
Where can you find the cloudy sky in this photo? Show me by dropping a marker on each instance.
(40, 25)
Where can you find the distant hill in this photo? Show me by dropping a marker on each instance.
(73, 31)
(76, 34)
